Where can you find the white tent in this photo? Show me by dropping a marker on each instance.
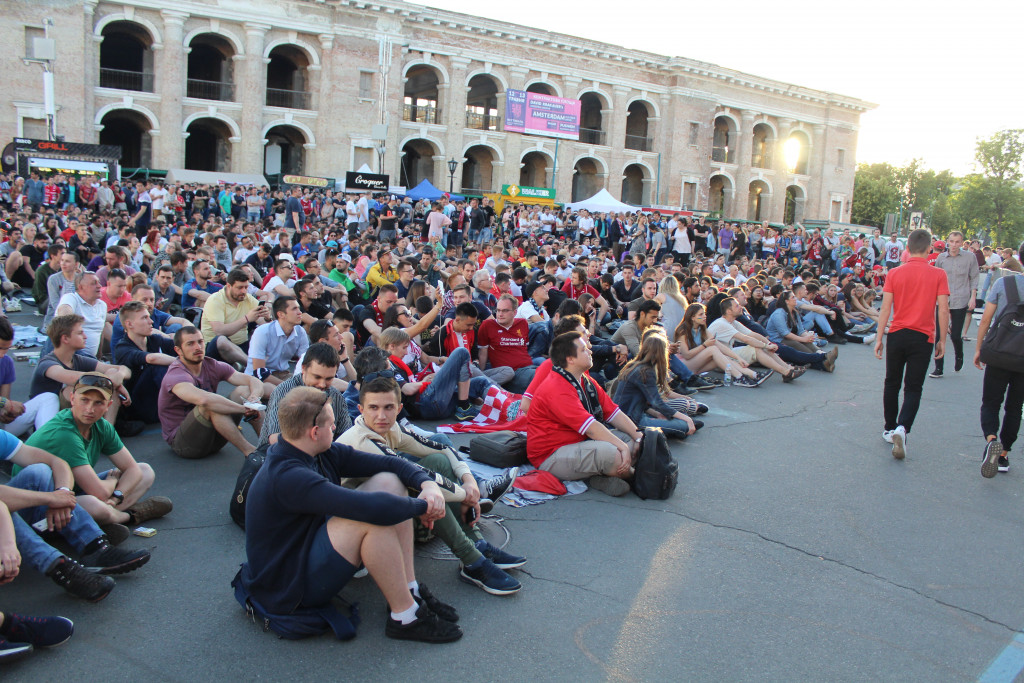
(602, 202)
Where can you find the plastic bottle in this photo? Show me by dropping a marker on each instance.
(728, 374)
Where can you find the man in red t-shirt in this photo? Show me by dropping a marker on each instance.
(565, 431)
(504, 340)
(910, 294)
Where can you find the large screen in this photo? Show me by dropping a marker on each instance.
(530, 112)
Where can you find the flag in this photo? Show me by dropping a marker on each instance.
(499, 412)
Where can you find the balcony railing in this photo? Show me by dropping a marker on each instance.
(723, 155)
(478, 121)
(140, 81)
(293, 99)
(421, 114)
(211, 90)
(639, 142)
(592, 136)
(761, 160)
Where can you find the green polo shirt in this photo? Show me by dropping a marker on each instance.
(60, 436)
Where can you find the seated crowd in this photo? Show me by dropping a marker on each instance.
(336, 339)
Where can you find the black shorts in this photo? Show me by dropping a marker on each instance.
(211, 349)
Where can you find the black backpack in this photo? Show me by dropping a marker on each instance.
(656, 469)
(499, 449)
(1003, 346)
(251, 466)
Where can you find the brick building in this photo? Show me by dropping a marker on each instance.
(295, 86)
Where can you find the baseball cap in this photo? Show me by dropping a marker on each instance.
(95, 381)
(332, 243)
(939, 244)
(346, 257)
(846, 271)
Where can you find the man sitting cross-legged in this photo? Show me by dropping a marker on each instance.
(197, 421)
(41, 493)
(306, 536)
(146, 354)
(376, 430)
(80, 435)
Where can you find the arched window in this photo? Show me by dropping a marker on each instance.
(207, 147)
(761, 150)
(723, 147)
(534, 172)
(287, 78)
(130, 131)
(126, 60)
(586, 181)
(421, 104)
(482, 103)
(210, 68)
(477, 170)
(418, 162)
(592, 130)
(284, 153)
(638, 126)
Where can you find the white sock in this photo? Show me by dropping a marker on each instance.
(414, 586)
(406, 617)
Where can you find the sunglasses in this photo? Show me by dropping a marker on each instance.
(387, 374)
(96, 382)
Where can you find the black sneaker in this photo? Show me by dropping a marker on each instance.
(745, 382)
(990, 460)
(935, 374)
(12, 652)
(701, 409)
(39, 631)
(711, 379)
(441, 609)
(1004, 463)
(489, 578)
(110, 560)
(700, 384)
(500, 558)
(79, 581)
(494, 489)
(958, 364)
(428, 628)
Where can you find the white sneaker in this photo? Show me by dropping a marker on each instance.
(899, 442)
(887, 435)
(870, 339)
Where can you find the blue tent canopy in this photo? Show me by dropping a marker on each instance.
(425, 190)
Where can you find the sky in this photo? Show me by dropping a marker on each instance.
(943, 74)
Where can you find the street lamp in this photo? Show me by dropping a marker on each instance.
(452, 165)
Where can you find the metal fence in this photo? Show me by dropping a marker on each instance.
(639, 142)
(478, 121)
(592, 136)
(210, 90)
(140, 81)
(421, 114)
(293, 99)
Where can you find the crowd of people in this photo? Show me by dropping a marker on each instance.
(340, 321)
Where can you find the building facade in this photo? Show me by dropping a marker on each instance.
(298, 86)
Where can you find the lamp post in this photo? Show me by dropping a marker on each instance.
(452, 165)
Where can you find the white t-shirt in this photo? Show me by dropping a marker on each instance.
(95, 318)
(158, 195)
(681, 241)
(724, 331)
(351, 212)
(586, 226)
(276, 281)
(526, 311)
(893, 250)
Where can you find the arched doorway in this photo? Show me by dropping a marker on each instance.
(586, 179)
(208, 147)
(638, 126)
(284, 152)
(210, 68)
(421, 98)
(534, 171)
(591, 121)
(633, 185)
(719, 193)
(797, 151)
(130, 130)
(794, 205)
(723, 147)
(418, 163)
(477, 170)
(758, 200)
(761, 150)
(540, 88)
(126, 60)
(288, 78)
(482, 103)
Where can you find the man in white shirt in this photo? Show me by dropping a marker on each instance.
(585, 224)
(351, 215)
(86, 302)
(159, 195)
(759, 349)
(363, 212)
(283, 282)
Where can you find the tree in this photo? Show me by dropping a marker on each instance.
(1001, 158)
(874, 194)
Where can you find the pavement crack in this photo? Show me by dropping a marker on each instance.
(824, 558)
(567, 583)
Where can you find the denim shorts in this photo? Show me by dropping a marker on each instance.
(327, 571)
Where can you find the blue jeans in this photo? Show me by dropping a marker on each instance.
(486, 236)
(522, 379)
(540, 339)
(791, 355)
(679, 368)
(674, 429)
(79, 532)
(438, 401)
(820, 319)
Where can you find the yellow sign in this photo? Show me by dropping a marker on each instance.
(304, 180)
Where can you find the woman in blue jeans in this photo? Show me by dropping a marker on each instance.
(642, 386)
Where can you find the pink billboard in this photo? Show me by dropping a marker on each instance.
(530, 112)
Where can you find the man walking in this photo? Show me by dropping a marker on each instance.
(961, 268)
(910, 295)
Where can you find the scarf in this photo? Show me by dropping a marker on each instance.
(586, 393)
(377, 315)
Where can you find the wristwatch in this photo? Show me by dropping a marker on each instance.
(64, 488)
(118, 495)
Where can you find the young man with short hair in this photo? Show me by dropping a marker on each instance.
(504, 341)
(910, 295)
(376, 430)
(272, 346)
(197, 421)
(146, 355)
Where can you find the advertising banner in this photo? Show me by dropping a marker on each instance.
(365, 182)
(529, 112)
(526, 192)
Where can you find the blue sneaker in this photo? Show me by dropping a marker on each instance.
(489, 578)
(39, 631)
(12, 652)
(499, 557)
(467, 413)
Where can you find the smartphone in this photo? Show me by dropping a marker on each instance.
(470, 515)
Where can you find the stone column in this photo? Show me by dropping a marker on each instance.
(325, 129)
(742, 198)
(454, 114)
(251, 91)
(783, 175)
(90, 72)
(513, 144)
(818, 202)
(170, 83)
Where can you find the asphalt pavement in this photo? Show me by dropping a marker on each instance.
(795, 548)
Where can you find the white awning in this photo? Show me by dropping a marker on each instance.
(45, 164)
(183, 175)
